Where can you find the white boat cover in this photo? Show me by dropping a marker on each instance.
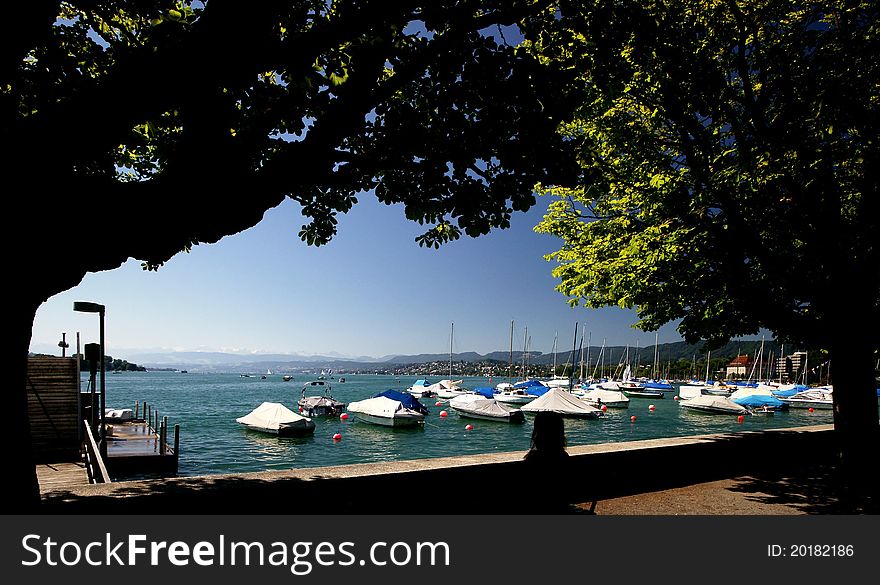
(714, 402)
(381, 406)
(465, 399)
(480, 405)
(445, 385)
(272, 416)
(119, 413)
(760, 390)
(606, 396)
(563, 402)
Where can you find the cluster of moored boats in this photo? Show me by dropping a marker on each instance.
(508, 402)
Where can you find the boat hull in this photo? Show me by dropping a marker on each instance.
(815, 404)
(295, 430)
(385, 421)
(514, 416)
(571, 414)
(644, 394)
(712, 410)
(514, 398)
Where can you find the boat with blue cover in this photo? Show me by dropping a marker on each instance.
(390, 408)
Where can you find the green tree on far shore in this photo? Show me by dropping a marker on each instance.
(730, 179)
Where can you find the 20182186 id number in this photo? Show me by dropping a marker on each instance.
(810, 550)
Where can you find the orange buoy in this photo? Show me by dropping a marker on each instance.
(337, 437)
(632, 418)
(444, 414)
(740, 418)
(343, 416)
(469, 428)
(652, 408)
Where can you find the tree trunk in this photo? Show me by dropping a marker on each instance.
(21, 492)
(856, 428)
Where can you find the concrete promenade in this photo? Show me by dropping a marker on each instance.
(783, 471)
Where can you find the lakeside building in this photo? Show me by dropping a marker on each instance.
(791, 367)
(739, 367)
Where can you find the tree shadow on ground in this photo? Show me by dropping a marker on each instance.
(810, 489)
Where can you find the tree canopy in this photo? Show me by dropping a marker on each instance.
(730, 161)
(731, 158)
(140, 128)
(198, 117)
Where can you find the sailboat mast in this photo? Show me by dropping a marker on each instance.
(589, 339)
(510, 356)
(555, 338)
(573, 349)
(451, 336)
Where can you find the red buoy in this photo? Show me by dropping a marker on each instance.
(469, 428)
(632, 418)
(810, 409)
(604, 408)
(675, 398)
(337, 437)
(652, 408)
(444, 414)
(740, 418)
(343, 416)
(438, 403)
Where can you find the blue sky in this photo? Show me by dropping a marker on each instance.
(372, 291)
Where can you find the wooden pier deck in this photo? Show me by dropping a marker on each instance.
(132, 439)
(136, 448)
(64, 476)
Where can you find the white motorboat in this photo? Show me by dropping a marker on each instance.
(321, 404)
(447, 389)
(564, 403)
(817, 398)
(480, 407)
(558, 382)
(381, 410)
(421, 389)
(599, 397)
(276, 419)
(515, 396)
(713, 404)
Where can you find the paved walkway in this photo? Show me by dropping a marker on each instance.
(810, 490)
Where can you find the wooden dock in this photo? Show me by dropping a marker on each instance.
(64, 476)
(139, 447)
(64, 427)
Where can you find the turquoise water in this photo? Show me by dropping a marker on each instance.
(206, 406)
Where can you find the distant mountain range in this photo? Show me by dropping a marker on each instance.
(233, 362)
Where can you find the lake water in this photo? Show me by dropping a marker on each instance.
(206, 406)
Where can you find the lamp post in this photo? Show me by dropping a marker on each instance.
(84, 307)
